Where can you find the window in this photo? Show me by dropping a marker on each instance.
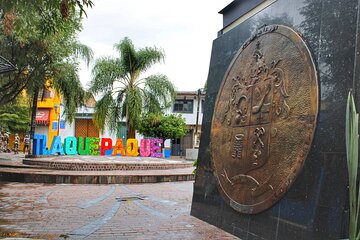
(202, 106)
(183, 106)
(46, 93)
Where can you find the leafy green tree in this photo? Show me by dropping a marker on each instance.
(23, 15)
(170, 126)
(41, 54)
(40, 38)
(15, 117)
(124, 94)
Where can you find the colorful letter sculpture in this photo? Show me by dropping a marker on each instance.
(106, 144)
(70, 146)
(119, 148)
(96, 146)
(155, 147)
(56, 146)
(145, 150)
(39, 147)
(132, 147)
(81, 149)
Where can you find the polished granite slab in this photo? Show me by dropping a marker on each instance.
(316, 206)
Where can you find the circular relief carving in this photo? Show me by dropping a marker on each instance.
(264, 119)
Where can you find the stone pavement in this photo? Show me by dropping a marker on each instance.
(93, 169)
(118, 211)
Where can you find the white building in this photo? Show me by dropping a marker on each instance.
(190, 104)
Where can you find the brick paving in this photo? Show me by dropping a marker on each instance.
(115, 211)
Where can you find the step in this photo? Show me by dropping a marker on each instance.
(34, 175)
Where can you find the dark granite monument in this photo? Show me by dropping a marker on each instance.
(272, 162)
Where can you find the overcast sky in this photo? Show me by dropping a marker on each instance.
(183, 29)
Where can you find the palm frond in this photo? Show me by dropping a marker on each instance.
(83, 52)
(159, 93)
(104, 73)
(120, 102)
(127, 53)
(133, 104)
(116, 110)
(102, 110)
(70, 87)
(148, 56)
(113, 118)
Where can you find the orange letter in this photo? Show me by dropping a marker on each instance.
(119, 148)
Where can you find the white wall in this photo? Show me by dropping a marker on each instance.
(108, 134)
(69, 130)
(190, 118)
(43, 130)
(84, 109)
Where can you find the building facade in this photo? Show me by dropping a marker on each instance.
(50, 120)
(84, 125)
(190, 104)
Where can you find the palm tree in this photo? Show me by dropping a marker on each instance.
(124, 94)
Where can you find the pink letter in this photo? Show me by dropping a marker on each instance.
(145, 147)
(155, 148)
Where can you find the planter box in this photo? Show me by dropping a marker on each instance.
(192, 154)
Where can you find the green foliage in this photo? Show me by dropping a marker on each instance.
(156, 101)
(15, 117)
(124, 94)
(42, 43)
(37, 19)
(170, 126)
(352, 145)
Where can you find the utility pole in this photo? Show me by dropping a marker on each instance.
(199, 91)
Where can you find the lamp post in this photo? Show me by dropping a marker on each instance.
(57, 109)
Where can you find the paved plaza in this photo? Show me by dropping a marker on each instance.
(118, 211)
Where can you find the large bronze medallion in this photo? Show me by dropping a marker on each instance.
(264, 119)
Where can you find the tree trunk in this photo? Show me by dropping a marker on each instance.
(130, 132)
(130, 129)
(33, 119)
(163, 144)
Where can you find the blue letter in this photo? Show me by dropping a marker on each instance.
(39, 145)
(56, 146)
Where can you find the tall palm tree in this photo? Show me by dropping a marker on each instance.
(124, 94)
